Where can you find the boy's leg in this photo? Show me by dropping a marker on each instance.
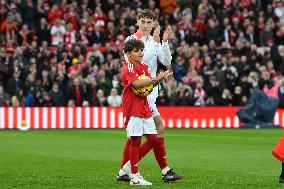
(125, 155)
(135, 130)
(125, 169)
(135, 133)
(150, 129)
(136, 178)
(122, 175)
(134, 153)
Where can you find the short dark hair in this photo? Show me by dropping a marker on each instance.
(146, 13)
(132, 44)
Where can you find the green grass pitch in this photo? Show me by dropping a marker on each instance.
(211, 158)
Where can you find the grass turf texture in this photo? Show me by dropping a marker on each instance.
(213, 158)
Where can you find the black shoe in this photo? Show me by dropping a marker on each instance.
(124, 178)
(171, 176)
(281, 179)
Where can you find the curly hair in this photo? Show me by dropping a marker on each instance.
(132, 44)
(146, 13)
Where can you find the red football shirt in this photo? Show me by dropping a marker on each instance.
(133, 105)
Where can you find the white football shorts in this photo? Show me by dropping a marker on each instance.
(137, 126)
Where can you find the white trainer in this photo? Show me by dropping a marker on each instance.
(138, 180)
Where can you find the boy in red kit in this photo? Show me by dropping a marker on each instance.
(136, 112)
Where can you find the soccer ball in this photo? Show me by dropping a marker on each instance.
(145, 91)
(23, 126)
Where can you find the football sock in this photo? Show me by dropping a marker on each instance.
(160, 153)
(121, 172)
(134, 153)
(125, 157)
(148, 145)
(127, 166)
(165, 170)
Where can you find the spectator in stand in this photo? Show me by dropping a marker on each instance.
(85, 104)
(17, 16)
(267, 36)
(54, 14)
(45, 100)
(104, 82)
(71, 16)
(213, 90)
(96, 36)
(199, 94)
(114, 100)
(15, 101)
(207, 69)
(8, 30)
(76, 92)
(230, 74)
(15, 83)
(237, 97)
(70, 35)
(170, 89)
(183, 96)
(43, 31)
(226, 98)
(91, 88)
(57, 97)
(5, 99)
(30, 98)
(24, 35)
(71, 103)
(29, 13)
(101, 99)
(29, 83)
(57, 33)
(46, 82)
(95, 55)
(179, 68)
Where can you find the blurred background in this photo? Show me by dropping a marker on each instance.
(68, 53)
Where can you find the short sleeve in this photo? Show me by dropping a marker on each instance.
(147, 70)
(128, 76)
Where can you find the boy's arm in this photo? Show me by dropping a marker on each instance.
(145, 82)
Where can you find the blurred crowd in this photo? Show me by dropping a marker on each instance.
(68, 53)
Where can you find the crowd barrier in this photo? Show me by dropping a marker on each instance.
(107, 117)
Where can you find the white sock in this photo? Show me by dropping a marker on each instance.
(127, 166)
(165, 170)
(121, 172)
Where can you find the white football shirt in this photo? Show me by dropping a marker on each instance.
(153, 52)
